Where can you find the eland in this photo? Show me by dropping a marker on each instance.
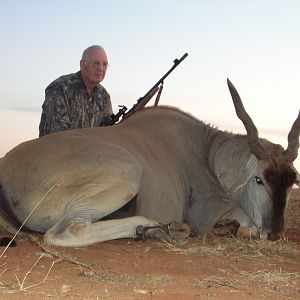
(160, 166)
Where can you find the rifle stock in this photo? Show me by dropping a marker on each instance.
(142, 102)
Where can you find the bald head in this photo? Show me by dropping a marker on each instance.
(93, 66)
(90, 49)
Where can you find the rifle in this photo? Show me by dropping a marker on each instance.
(142, 102)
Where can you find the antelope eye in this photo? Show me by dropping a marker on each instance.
(258, 180)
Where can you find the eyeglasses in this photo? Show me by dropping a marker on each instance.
(98, 64)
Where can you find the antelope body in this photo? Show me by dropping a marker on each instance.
(74, 185)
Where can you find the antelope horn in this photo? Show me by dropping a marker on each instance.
(255, 146)
(291, 152)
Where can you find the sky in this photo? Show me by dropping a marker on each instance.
(256, 44)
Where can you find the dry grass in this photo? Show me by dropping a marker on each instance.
(260, 251)
(268, 281)
(268, 277)
(244, 248)
(233, 248)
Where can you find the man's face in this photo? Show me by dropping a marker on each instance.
(94, 67)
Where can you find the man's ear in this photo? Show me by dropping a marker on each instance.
(82, 64)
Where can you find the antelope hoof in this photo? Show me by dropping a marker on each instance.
(153, 233)
(167, 233)
(247, 233)
(226, 227)
(179, 231)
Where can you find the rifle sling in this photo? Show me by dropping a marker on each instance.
(158, 95)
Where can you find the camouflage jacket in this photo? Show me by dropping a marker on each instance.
(68, 105)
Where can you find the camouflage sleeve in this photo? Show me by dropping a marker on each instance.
(55, 114)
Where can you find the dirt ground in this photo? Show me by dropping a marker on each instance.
(210, 268)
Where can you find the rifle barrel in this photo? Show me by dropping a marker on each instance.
(141, 102)
(176, 63)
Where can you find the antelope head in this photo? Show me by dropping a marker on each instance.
(273, 174)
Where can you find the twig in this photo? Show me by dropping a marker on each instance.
(28, 272)
(5, 270)
(69, 259)
(223, 284)
(22, 284)
(213, 279)
(1, 267)
(45, 278)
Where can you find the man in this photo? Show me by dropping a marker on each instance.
(78, 100)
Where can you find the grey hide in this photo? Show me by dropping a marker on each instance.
(175, 166)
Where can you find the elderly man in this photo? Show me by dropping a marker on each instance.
(78, 100)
